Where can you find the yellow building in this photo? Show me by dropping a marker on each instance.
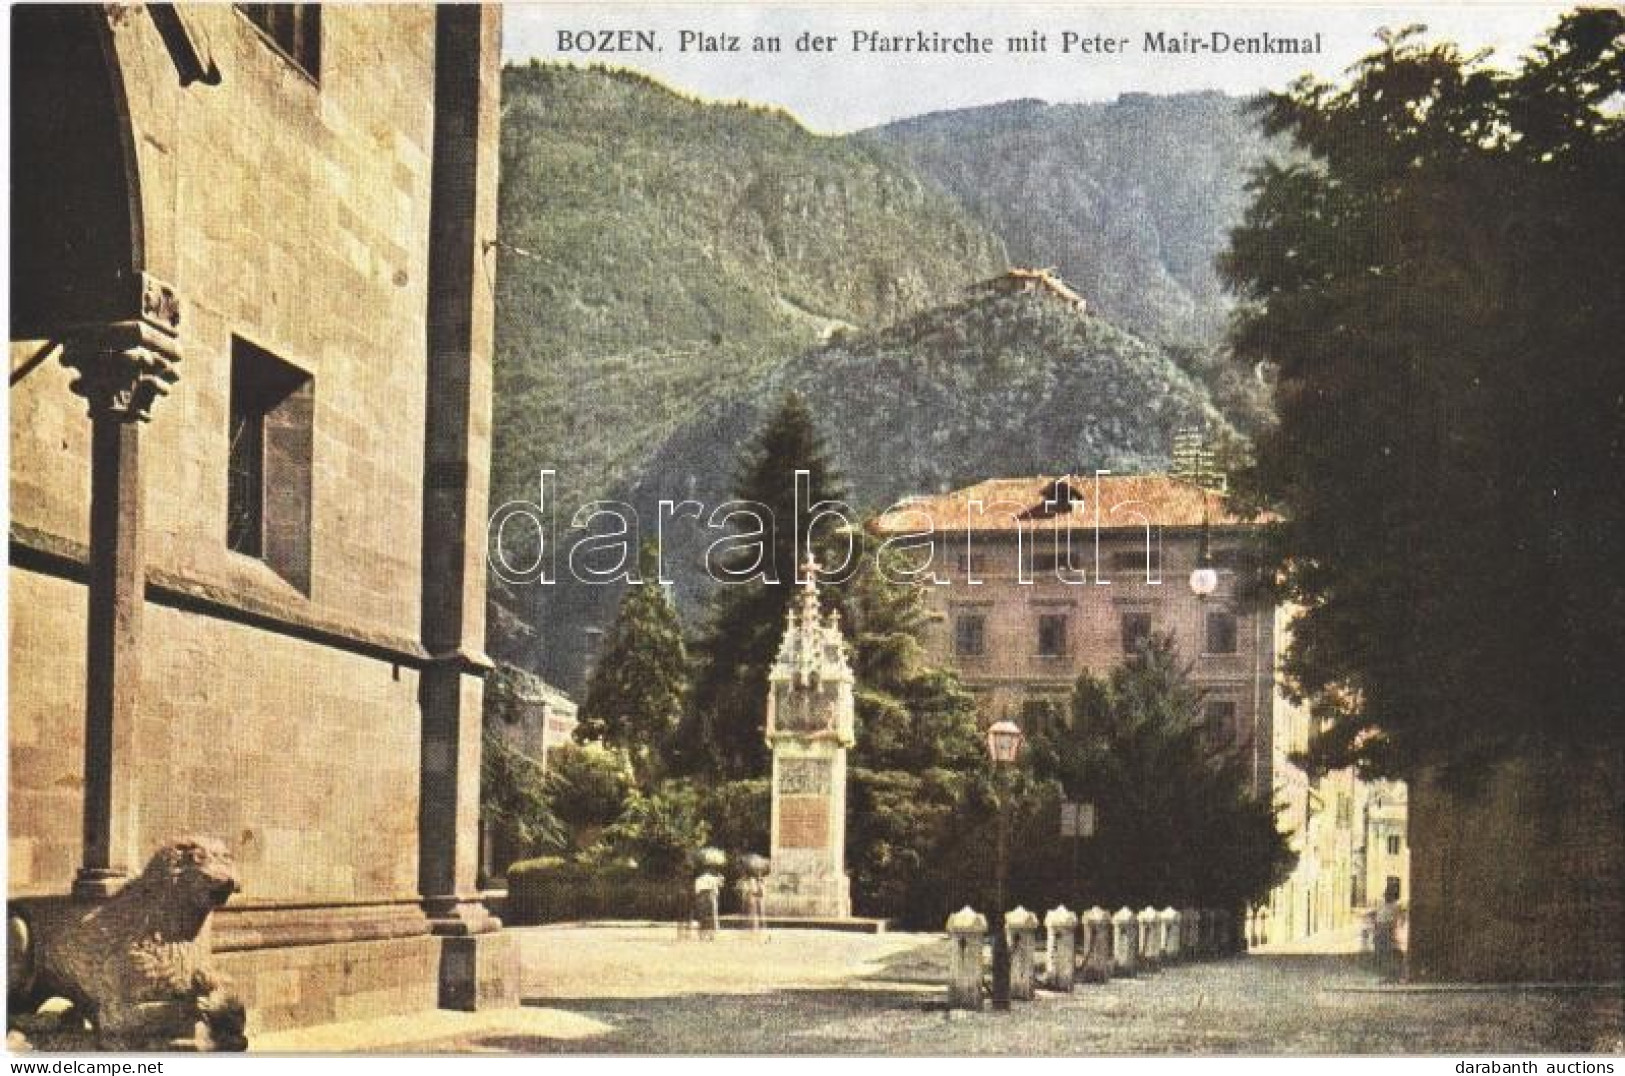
(1038, 579)
(1041, 578)
(1387, 840)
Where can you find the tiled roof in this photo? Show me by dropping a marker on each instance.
(1126, 501)
(1044, 278)
(528, 687)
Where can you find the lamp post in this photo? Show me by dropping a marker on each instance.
(1204, 580)
(1004, 740)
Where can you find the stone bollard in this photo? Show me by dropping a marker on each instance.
(1150, 938)
(1190, 933)
(966, 929)
(1061, 945)
(1169, 921)
(1097, 945)
(1124, 943)
(1021, 929)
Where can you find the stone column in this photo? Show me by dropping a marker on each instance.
(1125, 947)
(1190, 931)
(1170, 935)
(1150, 938)
(1097, 945)
(122, 367)
(479, 967)
(966, 930)
(1061, 926)
(1021, 928)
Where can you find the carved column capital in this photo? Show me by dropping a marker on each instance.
(124, 366)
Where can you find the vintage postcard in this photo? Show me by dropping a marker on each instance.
(871, 529)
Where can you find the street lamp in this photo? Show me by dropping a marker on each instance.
(1004, 740)
(1204, 580)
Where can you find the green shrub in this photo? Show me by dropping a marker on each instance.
(661, 829)
(587, 787)
(550, 890)
(737, 814)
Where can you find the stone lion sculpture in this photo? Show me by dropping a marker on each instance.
(134, 966)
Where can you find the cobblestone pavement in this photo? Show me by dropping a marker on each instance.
(815, 992)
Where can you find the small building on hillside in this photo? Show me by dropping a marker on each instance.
(1018, 281)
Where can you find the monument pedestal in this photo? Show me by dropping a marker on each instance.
(809, 831)
(809, 728)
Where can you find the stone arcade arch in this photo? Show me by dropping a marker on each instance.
(76, 213)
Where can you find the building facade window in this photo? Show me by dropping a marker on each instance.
(1052, 635)
(1221, 633)
(1057, 563)
(1393, 844)
(295, 29)
(268, 462)
(1219, 715)
(1129, 562)
(970, 635)
(1136, 631)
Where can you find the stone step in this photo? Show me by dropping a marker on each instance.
(853, 924)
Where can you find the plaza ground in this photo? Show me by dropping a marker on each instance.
(641, 989)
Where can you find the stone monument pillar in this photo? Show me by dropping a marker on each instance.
(809, 728)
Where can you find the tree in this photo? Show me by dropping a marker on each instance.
(917, 770)
(639, 682)
(661, 828)
(1176, 819)
(1436, 279)
(914, 773)
(724, 733)
(587, 788)
(514, 803)
(737, 814)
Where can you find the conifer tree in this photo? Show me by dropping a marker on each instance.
(640, 681)
(724, 733)
(1177, 819)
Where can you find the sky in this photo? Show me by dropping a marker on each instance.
(847, 90)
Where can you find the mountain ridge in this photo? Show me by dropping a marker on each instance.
(1129, 199)
(670, 267)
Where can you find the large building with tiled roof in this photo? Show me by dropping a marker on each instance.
(1040, 578)
(1046, 576)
